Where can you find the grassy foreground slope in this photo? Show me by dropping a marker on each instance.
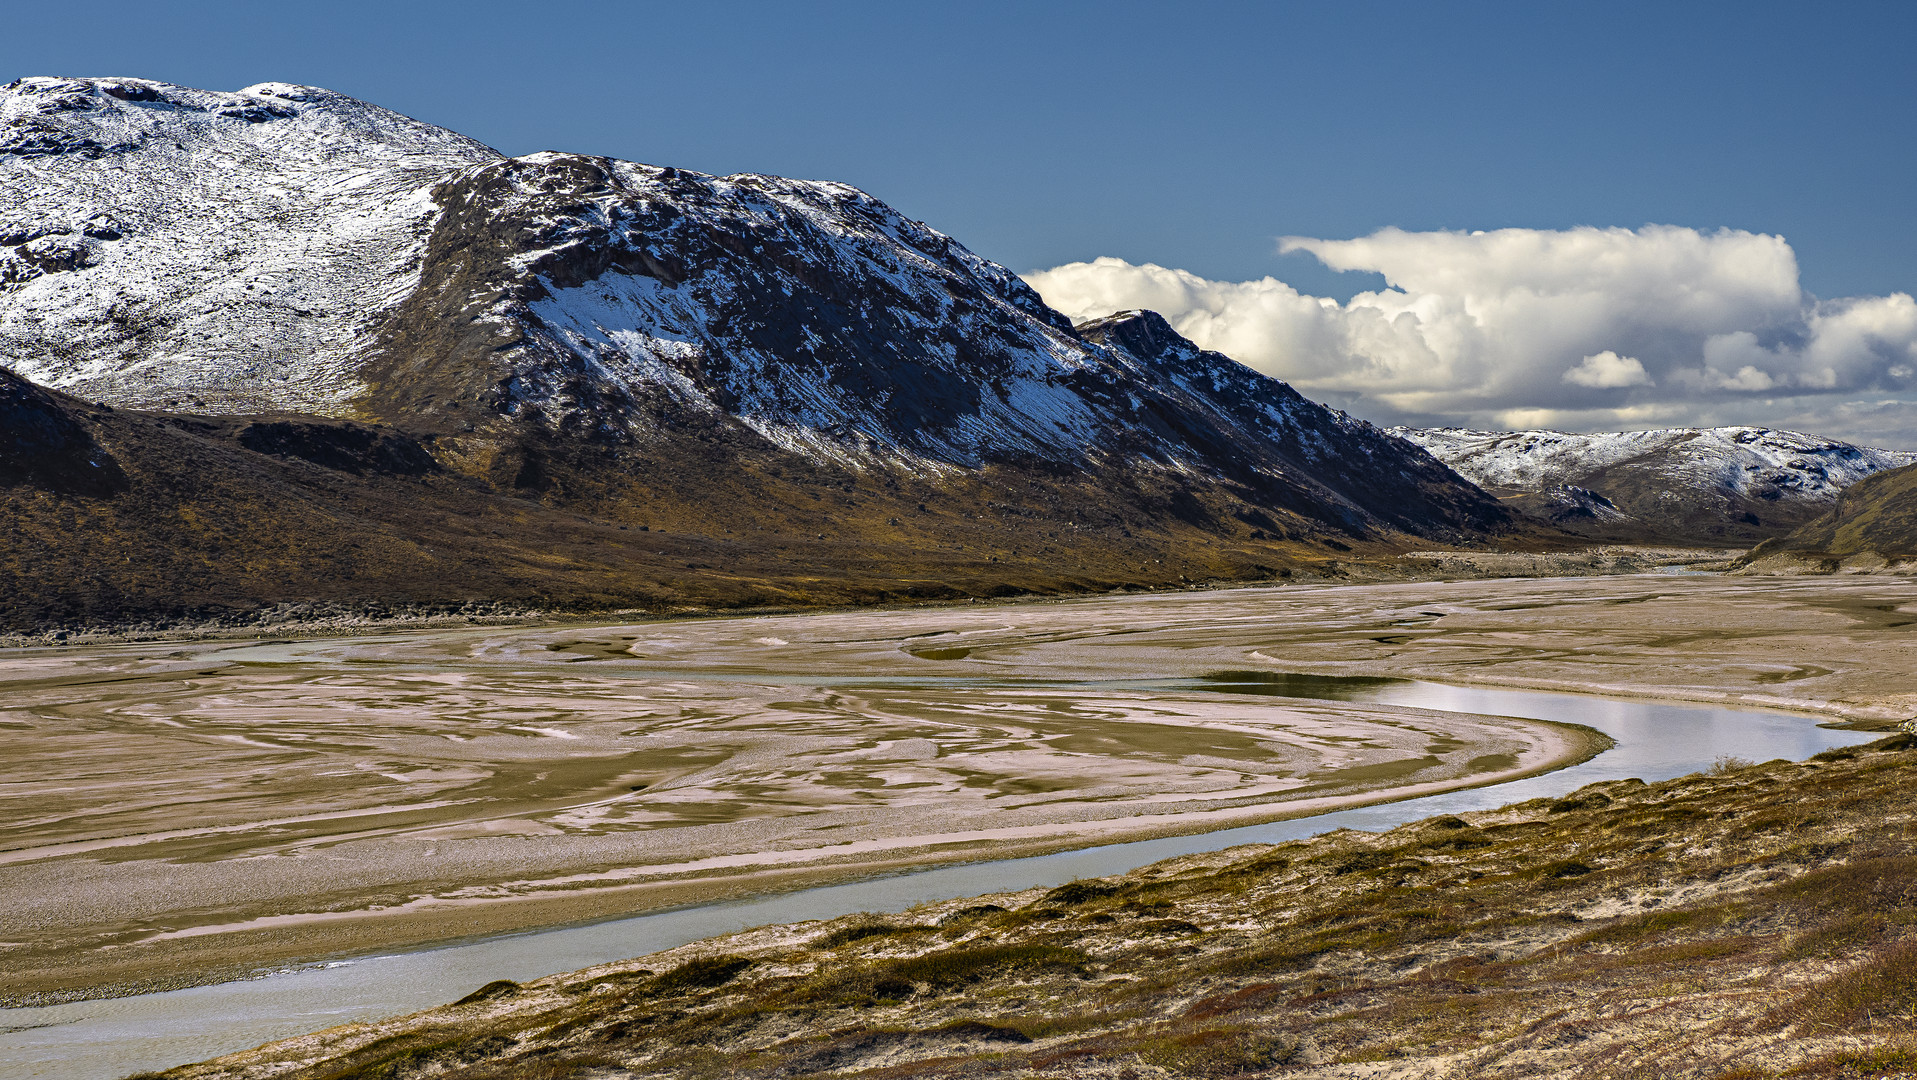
(1758, 921)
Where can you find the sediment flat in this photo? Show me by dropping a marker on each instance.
(182, 812)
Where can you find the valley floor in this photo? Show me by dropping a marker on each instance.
(183, 813)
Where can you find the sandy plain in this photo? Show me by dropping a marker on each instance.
(179, 812)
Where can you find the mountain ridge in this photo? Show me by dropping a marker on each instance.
(815, 392)
(1725, 485)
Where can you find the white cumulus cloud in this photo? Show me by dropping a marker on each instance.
(1608, 371)
(1584, 327)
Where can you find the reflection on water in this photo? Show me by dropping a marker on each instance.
(1290, 684)
(97, 1040)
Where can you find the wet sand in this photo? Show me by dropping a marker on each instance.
(178, 813)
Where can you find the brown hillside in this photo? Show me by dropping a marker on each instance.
(112, 516)
(1878, 514)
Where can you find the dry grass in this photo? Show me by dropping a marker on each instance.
(1880, 990)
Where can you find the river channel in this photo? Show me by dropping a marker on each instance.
(103, 1039)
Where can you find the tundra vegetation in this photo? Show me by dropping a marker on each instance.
(1752, 920)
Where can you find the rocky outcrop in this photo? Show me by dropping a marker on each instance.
(44, 444)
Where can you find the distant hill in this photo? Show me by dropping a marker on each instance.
(1728, 486)
(1877, 515)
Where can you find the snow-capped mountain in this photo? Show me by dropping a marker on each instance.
(637, 336)
(620, 301)
(168, 247)
(1753, 462)
(1747, 482)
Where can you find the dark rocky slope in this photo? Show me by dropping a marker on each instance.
(46, 445)
(125, 518)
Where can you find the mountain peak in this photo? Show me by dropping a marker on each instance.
(1139, 331)
(167, 247)
(43, 116)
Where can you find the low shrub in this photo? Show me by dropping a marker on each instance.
(1220, 1052)
(1882, 988)
(1277, 959)
(966, 914)
(946, 969)
(1839, 938)
(1866, 886)
(1456, 842)
(1255, 867)
(1073, 893)
(540, 1067)
(981, 1031)
(1894, 1060)
(404, 1055)
(846, 935)
(1686, 954)
(1363, 861)
(956, 967)
(1166, 926)
(498, 988)
(1636, 928)
(701, 974)
(1255, 996)
(1581, 800)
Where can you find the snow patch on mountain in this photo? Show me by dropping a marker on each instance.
(1752, 462)
(222, 252)
(886, 341)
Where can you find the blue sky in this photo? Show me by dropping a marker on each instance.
(1188, 136)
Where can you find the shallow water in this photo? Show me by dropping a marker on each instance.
(98, 1040)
